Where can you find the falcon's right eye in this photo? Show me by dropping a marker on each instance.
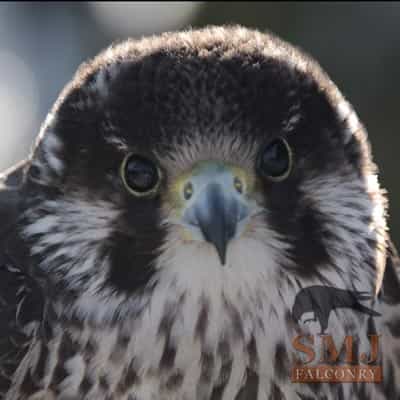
(140, 175)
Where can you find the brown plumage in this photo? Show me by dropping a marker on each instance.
(183, 189)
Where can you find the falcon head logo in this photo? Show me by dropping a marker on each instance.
(315, 303)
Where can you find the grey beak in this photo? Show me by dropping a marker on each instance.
(217, 216)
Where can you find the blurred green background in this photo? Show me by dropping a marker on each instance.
(357, 43)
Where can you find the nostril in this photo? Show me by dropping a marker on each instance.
(237, 183)
(188, 191)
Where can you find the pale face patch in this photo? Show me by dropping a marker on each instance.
(354, 211)
(68, 235)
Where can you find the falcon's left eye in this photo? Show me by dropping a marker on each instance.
(275, 160)
(140, 175)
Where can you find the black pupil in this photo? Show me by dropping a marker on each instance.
(141, 174)
(275, 159)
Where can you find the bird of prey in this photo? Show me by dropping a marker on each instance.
(182, 190)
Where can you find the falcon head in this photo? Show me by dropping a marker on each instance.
(208, 172)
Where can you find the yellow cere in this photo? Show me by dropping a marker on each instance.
(244, 182)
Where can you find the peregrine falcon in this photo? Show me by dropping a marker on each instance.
(182, 190)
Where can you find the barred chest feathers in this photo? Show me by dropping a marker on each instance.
(227, 336)
(198, 334)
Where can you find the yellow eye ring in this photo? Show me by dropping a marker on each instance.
(140, 175)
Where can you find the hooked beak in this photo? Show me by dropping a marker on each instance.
(217, 205)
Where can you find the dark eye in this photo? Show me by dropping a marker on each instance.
(275, 160)
(140, 175)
